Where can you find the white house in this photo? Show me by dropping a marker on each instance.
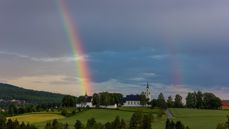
(132, 101)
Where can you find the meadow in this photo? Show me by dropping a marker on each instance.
(101, 115)
(33, 118)
(200, 119)
(194, 118)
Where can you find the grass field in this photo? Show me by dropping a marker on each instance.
(105, 115)
(37, 117)
(200, 119)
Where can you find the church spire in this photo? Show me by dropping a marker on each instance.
(147, 93)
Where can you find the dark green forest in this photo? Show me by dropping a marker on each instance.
(10, 92)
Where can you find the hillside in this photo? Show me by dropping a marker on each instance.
(10, 92)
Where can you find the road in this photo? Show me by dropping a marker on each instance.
(169, 114)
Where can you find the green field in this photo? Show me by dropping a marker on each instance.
(195, 119)
(37, 117)
(105, 115)
(200, 119)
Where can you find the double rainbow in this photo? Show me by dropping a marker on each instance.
(82, 68)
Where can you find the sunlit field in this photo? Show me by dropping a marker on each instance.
(200, 119)
(37, 117)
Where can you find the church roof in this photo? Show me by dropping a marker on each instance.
(132, 98)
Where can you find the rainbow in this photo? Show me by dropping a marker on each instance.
(82, 68)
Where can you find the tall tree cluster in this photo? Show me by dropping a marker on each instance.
(56, 125)
(170, 124)
(170, 103)
(203, 100)
(106, 99)
(69, 101)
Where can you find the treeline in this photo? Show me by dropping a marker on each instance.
(137, 121)
(169, 103)
(14, 109)
(197, 100)
(203, 100)
(106, 99)
(10, 124)
(170, 124)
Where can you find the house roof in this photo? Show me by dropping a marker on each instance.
(132, 98)
(225, 103)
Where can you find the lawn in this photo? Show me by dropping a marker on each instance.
(200, 119)
(37, 117)
(105, 115)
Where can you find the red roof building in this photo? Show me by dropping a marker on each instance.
(225, 104)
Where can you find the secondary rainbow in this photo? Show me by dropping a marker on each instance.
(82, 68)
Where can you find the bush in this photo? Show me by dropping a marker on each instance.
(64, 112)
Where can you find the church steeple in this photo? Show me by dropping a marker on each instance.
(147, 93)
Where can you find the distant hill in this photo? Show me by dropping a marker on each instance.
(10, 92)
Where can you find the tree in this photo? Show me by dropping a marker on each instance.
(108, 125)
(161, 101)
(96, 100)
(91, 123)
(143, 99)
(171, 125)
(123, 124)
(69, 101)
(154, 103)
(178, 101)
(2, 121)
(199, 100)
(147, 120)
(12, 110)
(78, 125)
(210, 101)
(136, 121)
(191, 100)
(170, 102)
(116, 123)
(179, 125)
(66, 126)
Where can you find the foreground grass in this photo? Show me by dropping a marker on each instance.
(105, 115)
(200, 119)
(37, 117)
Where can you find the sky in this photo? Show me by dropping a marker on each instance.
(177, 46)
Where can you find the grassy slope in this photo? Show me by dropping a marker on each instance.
(103, 116)
(37, 117)
(200, 119)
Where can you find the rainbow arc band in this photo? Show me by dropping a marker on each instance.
(82, 68)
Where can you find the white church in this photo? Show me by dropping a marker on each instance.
(129, 100)
(135, 100)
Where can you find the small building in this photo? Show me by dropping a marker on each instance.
(225, 104)
(132, 101)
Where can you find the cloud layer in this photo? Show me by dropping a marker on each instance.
(176, 45)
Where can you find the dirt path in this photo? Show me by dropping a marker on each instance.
(169, 114)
